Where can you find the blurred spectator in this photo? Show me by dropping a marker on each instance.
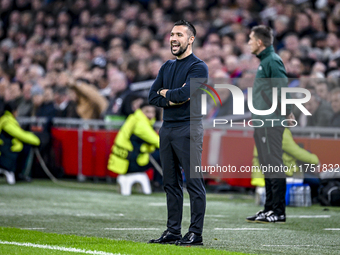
(333, 46)
(215, 65)
(90, 104)
(291, 42)
(43, 105)
(295, 67)
(281, 26)
(303, 24)
(322, 90)
(15, 93)
(119, 90)
(154, 66)
(37, 98)
(232, 65)
(41, 42)
(226, 108)
(99, 77)
(25, 107)
(320, 110)
(3, 88)
(131, 103)
(335, 101)
(319, 67)
(65, 106)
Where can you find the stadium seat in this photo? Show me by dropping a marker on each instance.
(126, 182)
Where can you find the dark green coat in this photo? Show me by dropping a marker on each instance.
(270, 73)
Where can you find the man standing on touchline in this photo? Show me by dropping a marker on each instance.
(268, 139)
(181, 135)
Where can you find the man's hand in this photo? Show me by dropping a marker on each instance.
(172, 103)
(71, 81)
(162, 92)
(290, 118)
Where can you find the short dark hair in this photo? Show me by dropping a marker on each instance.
(60, 91)
(145, 104)
(11, 106)
(190, 26)
(313, 92)
(264, 33)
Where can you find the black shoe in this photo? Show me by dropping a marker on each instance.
(270, 217)
(23, 178)
(253, 218)
(281, 219)
(167, 238)
(190, 238)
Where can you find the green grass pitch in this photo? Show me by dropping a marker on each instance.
(45, 218)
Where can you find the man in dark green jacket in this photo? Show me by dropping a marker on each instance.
(268, 132)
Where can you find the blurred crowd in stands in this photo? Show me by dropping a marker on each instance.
(78, 58)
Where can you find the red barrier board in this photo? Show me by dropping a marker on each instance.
(96, 146)
(95, 153)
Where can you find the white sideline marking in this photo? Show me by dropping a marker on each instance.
(308, 216)
(131, 228)
(337, 229)
(32, 228)
(291, 245)
(241, 228)
(59, 248)
(164, 204)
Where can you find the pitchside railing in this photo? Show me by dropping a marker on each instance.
(82, 128)
(312, 132)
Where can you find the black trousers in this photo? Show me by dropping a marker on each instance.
(269, 146)
(182, 147)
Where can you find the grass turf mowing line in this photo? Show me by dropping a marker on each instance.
(18, 241)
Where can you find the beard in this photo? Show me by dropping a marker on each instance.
(181, 50)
